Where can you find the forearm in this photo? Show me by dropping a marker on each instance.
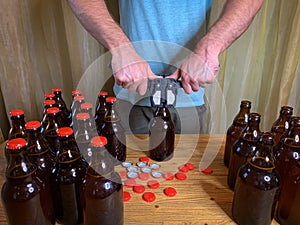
(234, 20)
(96, 19)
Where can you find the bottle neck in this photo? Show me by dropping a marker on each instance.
(101, 163)
(68, 151)
(111, 114)
(263, 158)
(162, 112)
(19, 166)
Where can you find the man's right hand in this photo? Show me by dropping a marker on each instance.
(130, 70)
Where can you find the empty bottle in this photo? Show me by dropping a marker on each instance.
(20, 193)
(100, 110)
(103, 200)
(50, 131)
(66, 114)
(39, 153)
(114, 132)
(69, 175)
(289, 168)
(257, 186)
(281, 125)
(84, 134)
(243, 147)
(234, 131)
(49, 96)
(17, 129)
(47, 104)
(162, 135)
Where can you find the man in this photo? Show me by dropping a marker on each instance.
(159, 37)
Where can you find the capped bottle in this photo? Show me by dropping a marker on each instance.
(74, 94)
(66, 114)
(281, 125)
(84, 134)
(114, 132)
(103, 200)
(47, 104)
(49, 96)
(234, 131)
(17, 129)
(257, 186)
(75, 108)
(39, 153)
(162, 135)
(100, 110)
(88, 108)
(243, 147)
(50, 131)
(20, 193)
(69, 174)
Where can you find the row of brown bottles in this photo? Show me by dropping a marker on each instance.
(68, 176)
(264, 171)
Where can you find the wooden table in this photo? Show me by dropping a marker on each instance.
(201, 198)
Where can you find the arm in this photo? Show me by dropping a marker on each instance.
(200, 68)
(130, 72)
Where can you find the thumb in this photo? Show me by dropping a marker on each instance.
(176, 75)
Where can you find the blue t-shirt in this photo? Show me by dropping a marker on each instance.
(164, 32)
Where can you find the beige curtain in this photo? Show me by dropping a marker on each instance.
(43, 46)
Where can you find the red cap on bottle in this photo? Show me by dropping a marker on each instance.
(16, 143)
(79, 98)
(99, 141)
(49, 102)
(111, 99)
(102, 93)
(56, 89)
(76, 92)
(86, 105)
(53, 110)
(49, 95)
(82, 116)
(32, 125)
(16, 112)
(64, 131)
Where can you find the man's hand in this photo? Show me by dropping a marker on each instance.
(198, 70)
(130, 70)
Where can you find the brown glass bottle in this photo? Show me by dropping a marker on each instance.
(66, 114)
(257, 186)
(39, 153)
(103, 189)
(161, 135)
(20, 193)
(50, 131)
(243, 147)
(289, 168)
(284, 157)
(88, 108)
(281, 125)
(49, 96)
(84, 134)
(74, 94)
(69, 174)
(75, 108)
(17, 129)
(100, 110)
(234, 131)
(47, 104)
(114, 132)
